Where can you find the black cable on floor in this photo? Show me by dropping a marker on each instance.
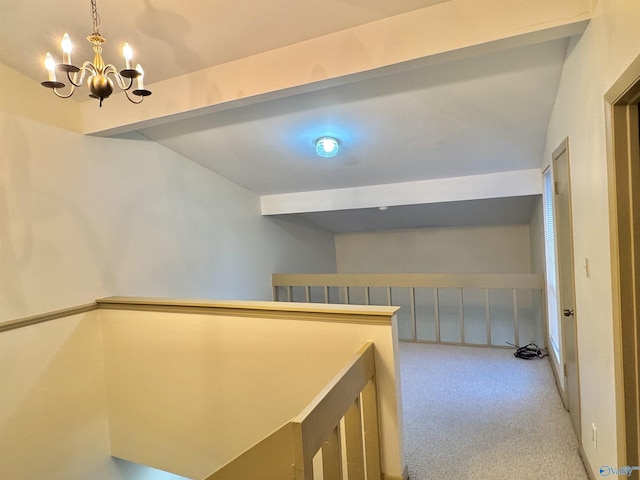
(529, 351)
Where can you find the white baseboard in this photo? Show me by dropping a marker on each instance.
(585, 462)
(404, 476)
(563, 394)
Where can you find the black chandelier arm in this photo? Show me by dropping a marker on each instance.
(86, 67)
(58, 94)
(110, 69)
(128, 86)
(122, 83)
(131, 100)
(74, 81)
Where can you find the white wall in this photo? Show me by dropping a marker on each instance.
(490, 249)
(536, 238)
(594, 62)
(53, 407)
(84, 217)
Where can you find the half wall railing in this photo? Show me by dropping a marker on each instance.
(311, 442)
(467, 309)
(188, 386)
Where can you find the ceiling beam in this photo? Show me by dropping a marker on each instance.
(448, 31)
(439, 190)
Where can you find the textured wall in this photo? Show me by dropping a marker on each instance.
(53, 405)
(594, 62)
(84, 217)
(494, 249)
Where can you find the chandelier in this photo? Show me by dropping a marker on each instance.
(99, 82)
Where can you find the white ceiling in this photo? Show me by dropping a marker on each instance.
(172, 38)
(492, 211)
(481, 114)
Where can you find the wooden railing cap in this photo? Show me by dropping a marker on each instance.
(242, 305)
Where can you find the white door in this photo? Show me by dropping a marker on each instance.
(563, 228)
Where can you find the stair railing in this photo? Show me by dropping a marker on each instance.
(345, 411)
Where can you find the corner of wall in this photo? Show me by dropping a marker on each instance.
(20, 95)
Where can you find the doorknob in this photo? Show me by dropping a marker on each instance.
(568, 312)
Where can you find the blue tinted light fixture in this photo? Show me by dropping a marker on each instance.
(327, 146)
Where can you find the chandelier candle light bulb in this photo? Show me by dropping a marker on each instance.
(66, 49)
(140, 77)
(128, 55)
(50, 65)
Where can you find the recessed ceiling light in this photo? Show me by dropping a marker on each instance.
(382, 209)
(327, 146)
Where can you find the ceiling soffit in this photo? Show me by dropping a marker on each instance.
(447, 31)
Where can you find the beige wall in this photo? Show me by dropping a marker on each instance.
(594, 62)
(53, 409)
(492, 249)
(189, 392)
(84, 217)
(181, 392)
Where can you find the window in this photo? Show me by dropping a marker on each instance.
(551, 263)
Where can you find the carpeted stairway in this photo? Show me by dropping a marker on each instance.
(480, 413)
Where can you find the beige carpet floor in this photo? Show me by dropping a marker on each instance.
(480, 413)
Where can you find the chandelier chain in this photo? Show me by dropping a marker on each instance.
(96, 17)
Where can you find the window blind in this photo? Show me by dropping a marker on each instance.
(551, 262)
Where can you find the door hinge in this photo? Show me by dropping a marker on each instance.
(565, 370)
(555, 188)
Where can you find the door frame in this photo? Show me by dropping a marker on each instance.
(623, 169)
